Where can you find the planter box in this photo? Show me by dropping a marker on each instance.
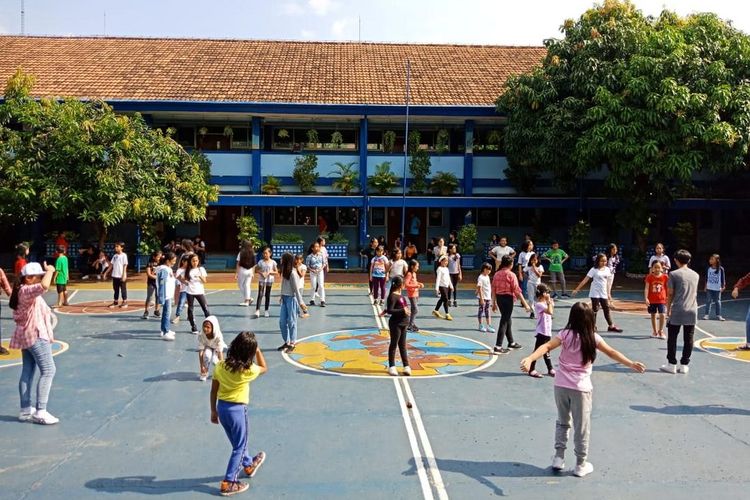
(293, 248)
(468, 261)
(338, 251)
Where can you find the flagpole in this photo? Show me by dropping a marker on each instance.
(402, 234)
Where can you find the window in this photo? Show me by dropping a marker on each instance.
(328, 138)
(377, 216)
(241, 138)
(349, 216)
(185, 137)
(509, 217)
(305, 216)
(435, 217)
(283, 216)
(487, 217)
(489, 140)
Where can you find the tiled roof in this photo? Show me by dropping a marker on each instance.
(263, 71)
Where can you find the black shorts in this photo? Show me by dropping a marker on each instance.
(657, 308)
(61, 288)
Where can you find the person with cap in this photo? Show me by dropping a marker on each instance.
(4, 287)
(34, 336)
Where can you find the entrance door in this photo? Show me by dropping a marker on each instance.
(416, 218)
(219, 230)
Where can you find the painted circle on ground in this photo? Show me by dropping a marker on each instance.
(14, 358)
(93, 307)
(726, 347)
(363, 352)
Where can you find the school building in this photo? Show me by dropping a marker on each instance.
(254, 107)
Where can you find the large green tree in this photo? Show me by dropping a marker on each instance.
(650, 101)
(78, 158)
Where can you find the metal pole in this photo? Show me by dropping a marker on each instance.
(406, 155)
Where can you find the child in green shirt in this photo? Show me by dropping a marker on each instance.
(61, 277)
(556, 257)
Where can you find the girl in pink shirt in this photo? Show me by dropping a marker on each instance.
(579, 342)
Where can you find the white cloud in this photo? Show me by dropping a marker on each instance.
(344, 28)
(322, 7)
(292, 9)
(307, 34)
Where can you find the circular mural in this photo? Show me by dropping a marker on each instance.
(97, 307)
(726, 347)
(364, 353)
(14, 358)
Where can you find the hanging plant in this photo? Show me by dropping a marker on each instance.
(441, 142)
(282, 133)
(337, 139)
(389, 141)
(312, 138)
(203, 131)
(228, 131)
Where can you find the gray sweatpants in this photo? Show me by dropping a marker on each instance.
(575, 404)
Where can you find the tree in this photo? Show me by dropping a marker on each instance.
(78, 158)
(651, 101)
(419, 163)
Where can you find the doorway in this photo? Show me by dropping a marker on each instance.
(416, 219)
(219, 230)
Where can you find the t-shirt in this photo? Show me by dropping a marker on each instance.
(234, 387)
(665, 264)
(165, 278)
(195, 285)
(378, 266)
(599, 277)
(414, 226)
(152, 264)
(533, 278)
(523, 259)
(398, 268)
(485, 287)
(315, 261)
(684, 285)
(571, 373)
(266, 266)
(179, 274)
(499, 252)
(715, 279)
(119, 262)
(555, 259)
(20, 262)
(657, 288)
(396, 307)
(454, 262)
(61, 268)
(216, 343)
(543, 320)
(612, 262)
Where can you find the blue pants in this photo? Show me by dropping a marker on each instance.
(233, 417)
(39, 354)
(747, 326)
(713, 297)
(180, 303)
(166, 313)
(288, 318)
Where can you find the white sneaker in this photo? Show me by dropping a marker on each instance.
(257, 313)
(194, 332)
(490, 329)
(266, 315)
(202, 377)
(583, 470)
(392, 371)
(244, 304)
(44, 417)
(407, 371)
(669, 368)
(26, 414)
(705, 316)
(558, 463)
(176, 320)
(168, 336)
(684, 369)
(482, 328)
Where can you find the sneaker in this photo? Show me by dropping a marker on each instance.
(684, 369)
(554, 295)
(145, 315)
(176, 320)
(266, 315)
(283, 347)
(669, 368)
(322, 303)
(583, 469)
(705, 316)
(567, 295)
(558, 463)
(202, 377)
(26, 414)
(415, 328)
(490, 329)
(535, 374)
(312, 302)
(745, 347)
(112, 305)
(455, 304)
(551, 372)
(515, 345)
(244, 304)
(290, 347)
(437, 314)
(44, 417)
(654, 335)
(84, 278)
(124, 305)
(482, 328)
(500, 350)
(407, 371)
(257, 313)
(169, 336)
(532, 316)
(194, 332)
(721, 318)
(258, 460)
(157, 314)
(229, 488)
(448, 317)
(4, 351)
(614, 328)
(392, 371)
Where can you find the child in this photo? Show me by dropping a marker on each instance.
(195, 280)
(153, 263)
(504, 291)
(118, 270)
(738, 286)
(599, 291)
(527, 250)
(544, 306)
(243, 272)
(484, 295)
(656, 298)
(533, 271)
(454, 270)
(399, 310)
(34, 336)
(410, 252)
(22, 251)
(429, 252)
(4, 287)
(556, 257)
(682, 309)
(230, 395)
(101, 266)
(301, 269)
(316, 263)
(573, 388)
(613, 261)
(438, 251)
(211, 346)
(660, 257)
(165, 292)
(716, 282)
(61, 277)
(291, 303)
(266, 269)
(412, 286)
(180, 277)
(398, 265)
(443, 287)
(378, 270)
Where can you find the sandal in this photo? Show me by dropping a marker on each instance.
(535, 374)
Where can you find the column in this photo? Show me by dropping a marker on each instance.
(469, 158)
(255, 181)
(364, 209)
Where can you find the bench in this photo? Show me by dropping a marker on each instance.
(338, 253)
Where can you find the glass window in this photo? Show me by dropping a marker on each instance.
(377, 216)
(328, 214)
(283, 216)
(349, 216)
(305, 216)
(240, 138)
(487, 217)
(435, 217)
(509, 217)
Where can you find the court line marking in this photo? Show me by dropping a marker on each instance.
(64, 346)
(424, 481)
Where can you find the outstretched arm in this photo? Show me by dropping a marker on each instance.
(549, 346)
(620, 357)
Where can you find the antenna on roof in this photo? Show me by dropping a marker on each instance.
(105, 23)
(359, 29)
(23, 18)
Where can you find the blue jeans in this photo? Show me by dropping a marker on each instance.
(713, 297)
(39, 354)
(233, 417)
(182, 299)
(747, 326)
(166, 314)
(288, 318)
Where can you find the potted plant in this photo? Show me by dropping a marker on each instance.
(579, 241)
(419, 164)
(494, 139)
(383, 180)
(248, 230)
(444, 183)
(272, 185)
(312, 139)
(283, 139)
(389, 141)
(347, 181)
(287, 242)
(467, 242)
(228, 132)
(442, 141)
(337, 139)
(305, 172)
(203, 131)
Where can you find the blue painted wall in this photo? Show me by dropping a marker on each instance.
(230, 163)
(282, 164)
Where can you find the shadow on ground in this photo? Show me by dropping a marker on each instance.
(692, 410)
(149, 485)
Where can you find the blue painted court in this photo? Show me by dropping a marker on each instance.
(134, 418)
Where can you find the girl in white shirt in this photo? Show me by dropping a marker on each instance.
(600, 276)
(659, 256)
(533, 276)
(194, 280)
(266, 269)
(454, 270)
(443, 286)
(438, 251)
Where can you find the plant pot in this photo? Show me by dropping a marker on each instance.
(467, 261)
(270, 191)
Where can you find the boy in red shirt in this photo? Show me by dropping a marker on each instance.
(742, 283)
(656, 298)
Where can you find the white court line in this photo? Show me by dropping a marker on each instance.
(70, 297)
(214, 291)
(424, 481)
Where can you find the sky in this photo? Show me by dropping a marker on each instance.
(499, 22)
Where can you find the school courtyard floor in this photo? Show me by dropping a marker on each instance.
(134, 418)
